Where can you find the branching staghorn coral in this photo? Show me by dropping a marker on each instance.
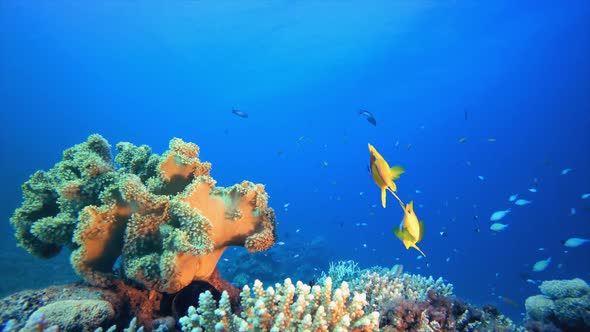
(161, 216)
(342, 271)
(383, 284)
(285, 307)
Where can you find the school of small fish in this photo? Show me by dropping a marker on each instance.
(410, 231)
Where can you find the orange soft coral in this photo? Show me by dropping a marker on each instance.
(161, 217)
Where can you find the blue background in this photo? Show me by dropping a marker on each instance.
(145, 72)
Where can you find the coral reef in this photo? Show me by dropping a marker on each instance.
(285, 307)
(563, 305)
(157, 221)
(415, 303)
(392, 302)
(51, 306)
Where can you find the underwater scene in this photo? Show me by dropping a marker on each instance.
(285, 165)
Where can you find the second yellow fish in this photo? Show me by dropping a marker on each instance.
(411, 230)
(383, 175)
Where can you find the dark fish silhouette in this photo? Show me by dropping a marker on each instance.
(369, 117)
(239, 113)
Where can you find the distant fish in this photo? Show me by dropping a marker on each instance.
(443, 234)
(477, 230)
(512, 198)
(239, 113)
(498, 227)
(565, 171)
(398, 268)
(409, 146)
(369, 116)
(533, 190)
(585, 196)
(281, 243)
(481, 177)
(418, 191)
(522, 202)
(525, 276)
(499, 215)
(541, 265)
(491, 140)
(462, 140)
(508, 301)
(573, 211)
(574, 242)
(286, 205)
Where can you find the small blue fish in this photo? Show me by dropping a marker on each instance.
(565, 171)
(512, 198)
(533, 190)
(499, 215)
(239, 113)
(541, 265)
(585, 196)
(574, 242)
(522, 202)
(498, 227)
(481, 177)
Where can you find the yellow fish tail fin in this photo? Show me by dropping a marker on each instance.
(420, 251)
(383, 197)
(421, 225)
(396, 171)
(398, 199)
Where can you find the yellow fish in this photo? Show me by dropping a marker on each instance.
(411, 229)
(383, 175)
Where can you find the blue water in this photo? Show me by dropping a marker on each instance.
(431, 73)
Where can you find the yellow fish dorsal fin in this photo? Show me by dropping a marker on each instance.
(421, 225)
(396, 171)
(410, 207)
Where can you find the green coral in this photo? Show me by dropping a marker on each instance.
(558, 289)
(52, 200)
(565, 303)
